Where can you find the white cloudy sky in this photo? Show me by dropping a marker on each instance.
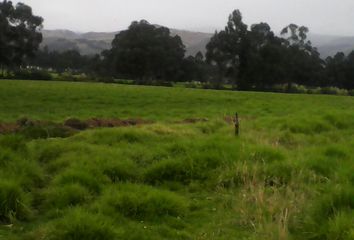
(335, 17)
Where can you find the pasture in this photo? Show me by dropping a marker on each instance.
(181, 175)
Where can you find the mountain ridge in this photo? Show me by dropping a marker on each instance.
(88, 43)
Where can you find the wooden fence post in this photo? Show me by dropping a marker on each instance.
(237, 125)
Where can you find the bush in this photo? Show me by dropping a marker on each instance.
(32, 74)
(13, 203)
(143, 202)
(295, 88)
(68, 76)
(334, 91)
(79, 224)
(193, 84)
(314, 90)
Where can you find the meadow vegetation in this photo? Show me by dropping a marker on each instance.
(288, 176)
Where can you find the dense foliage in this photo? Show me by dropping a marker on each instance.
(146, 52)
(257, 59)
(19, 34)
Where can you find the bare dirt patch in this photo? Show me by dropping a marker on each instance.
(6, 128)
(193, 120)
(67, 128)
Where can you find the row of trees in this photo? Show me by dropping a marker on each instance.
(70, 60)
(246, 57)
(340, 70)
(257, 58)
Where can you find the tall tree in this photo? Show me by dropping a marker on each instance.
(19, 33)
(227, 49)
(303, 62)
(340, 70)
(265, 58)
(146, 52)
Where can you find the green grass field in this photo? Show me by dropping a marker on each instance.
(289, 175)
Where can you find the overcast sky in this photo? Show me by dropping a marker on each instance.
(335, 17)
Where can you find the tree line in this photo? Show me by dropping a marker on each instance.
(246, 57)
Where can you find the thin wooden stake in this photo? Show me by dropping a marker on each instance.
(237, 125)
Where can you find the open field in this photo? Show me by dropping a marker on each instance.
(289, 175)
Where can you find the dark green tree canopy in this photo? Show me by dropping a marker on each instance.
(146, 52)
(257, 58)
(226, 49)
(19, 33)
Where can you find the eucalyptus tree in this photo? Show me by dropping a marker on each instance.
(19, 33)
(227, 49)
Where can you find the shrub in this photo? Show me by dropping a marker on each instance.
(13, 203)
(32, 74)
(143, 202)
(314, 90)
(334, 91)
(295, 88)
(79, 224)
(192, 84)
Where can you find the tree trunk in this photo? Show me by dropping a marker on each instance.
(2, 71)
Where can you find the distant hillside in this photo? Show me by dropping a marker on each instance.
(96, 42)
(329, 45)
